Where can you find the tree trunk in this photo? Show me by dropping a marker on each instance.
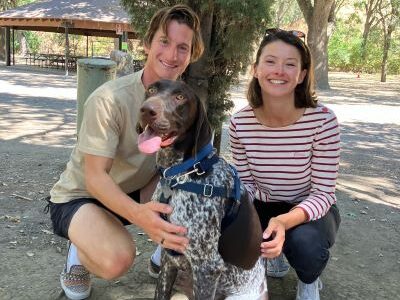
(370, 19)
(364, 39)
(197, 74)
(391, 18)
(386, 47)
(2, 44)
(317, 21)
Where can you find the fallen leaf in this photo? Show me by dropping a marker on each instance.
(353, 215)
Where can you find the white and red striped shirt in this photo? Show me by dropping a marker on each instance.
(295, 164)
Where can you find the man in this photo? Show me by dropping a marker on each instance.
(107, 180)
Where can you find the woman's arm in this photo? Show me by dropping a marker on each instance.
(324, 169)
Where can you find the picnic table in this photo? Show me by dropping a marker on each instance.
(50, 60)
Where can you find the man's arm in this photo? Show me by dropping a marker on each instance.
(102, 187)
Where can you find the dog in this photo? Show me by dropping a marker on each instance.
(223, 255)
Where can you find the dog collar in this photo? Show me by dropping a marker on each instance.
(191, 163)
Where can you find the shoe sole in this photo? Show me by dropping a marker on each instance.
(277, 274)
(151, 273)
(74, 296)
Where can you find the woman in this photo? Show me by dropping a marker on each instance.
(286, 149)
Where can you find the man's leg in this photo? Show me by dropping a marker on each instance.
(105, 247)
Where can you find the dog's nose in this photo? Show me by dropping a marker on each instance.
(149, 110)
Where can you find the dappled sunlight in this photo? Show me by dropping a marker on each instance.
(370, 113)
(37, 108)
(37, 84)
(347, 89)
(370, 188)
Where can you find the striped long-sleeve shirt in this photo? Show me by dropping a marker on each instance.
(296, 164)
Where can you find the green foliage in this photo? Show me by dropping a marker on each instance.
(8, 4)
(24, 2)
(237, 26)
(345, 50)
(394, 61)
(285, 12)
(33, 41)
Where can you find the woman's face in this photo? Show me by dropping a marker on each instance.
(279, 70)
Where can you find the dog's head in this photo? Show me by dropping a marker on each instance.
(172, 116)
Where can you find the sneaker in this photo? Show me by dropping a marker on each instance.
(76, 283)
(308, 291)
(153, 269)
(277, 267)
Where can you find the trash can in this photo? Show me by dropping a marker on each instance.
(92, 72)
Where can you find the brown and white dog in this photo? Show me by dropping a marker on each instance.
(223, 255)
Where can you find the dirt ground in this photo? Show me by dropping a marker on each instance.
(37, 133)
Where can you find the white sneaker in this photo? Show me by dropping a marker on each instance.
(308, 291)
(277, 267)
(76, 282)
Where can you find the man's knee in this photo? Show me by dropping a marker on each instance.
(116, 264)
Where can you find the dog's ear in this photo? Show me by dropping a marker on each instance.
(139, 128)
(203, 128)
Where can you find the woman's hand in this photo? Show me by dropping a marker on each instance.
(274, 237)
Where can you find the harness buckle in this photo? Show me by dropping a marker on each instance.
(164, 174)
(208, 190)
(182, 179)
(198, 168)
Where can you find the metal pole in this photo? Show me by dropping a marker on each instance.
(120, 43)
(87, 46)
(13, 46)
(8, 47)
(66, 49)
(124, 41)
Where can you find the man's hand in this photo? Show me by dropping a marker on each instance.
(275, 236)
(160, 231)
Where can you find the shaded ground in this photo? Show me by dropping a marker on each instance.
(37, 132)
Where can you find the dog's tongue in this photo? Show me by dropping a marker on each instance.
(149, 142)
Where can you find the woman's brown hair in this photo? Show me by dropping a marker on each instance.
(304, 92)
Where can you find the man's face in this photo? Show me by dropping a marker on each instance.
(169, 53)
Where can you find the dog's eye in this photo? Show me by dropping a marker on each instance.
(180, 97)
(152, 90)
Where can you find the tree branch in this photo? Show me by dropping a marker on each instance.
(306, 8)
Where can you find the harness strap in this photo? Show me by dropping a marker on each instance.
(200, 165)
(207, 190)
(187, 164)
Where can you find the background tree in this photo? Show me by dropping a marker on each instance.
(5, 5)
(390, 18)
(317, 13)
(370, 8)
(230, 29)
(285, 13)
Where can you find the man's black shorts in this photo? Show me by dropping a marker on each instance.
(61, 213)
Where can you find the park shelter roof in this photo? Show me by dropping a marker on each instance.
(93, 18)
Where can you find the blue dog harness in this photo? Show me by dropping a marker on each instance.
(177, 177)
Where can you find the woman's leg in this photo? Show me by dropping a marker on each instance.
(307, 246)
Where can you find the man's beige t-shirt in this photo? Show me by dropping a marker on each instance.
(109, 129)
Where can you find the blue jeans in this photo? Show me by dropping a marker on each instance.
(307, 245)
